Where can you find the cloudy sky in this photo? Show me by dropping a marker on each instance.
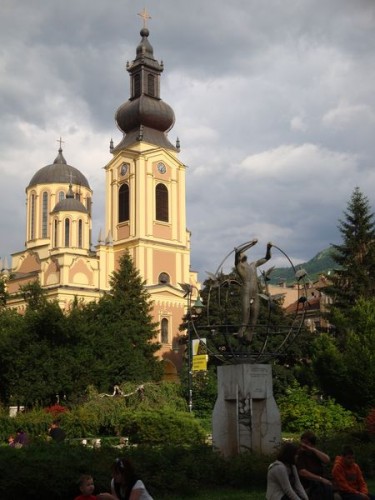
(274, 103)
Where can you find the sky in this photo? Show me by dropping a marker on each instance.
(274, 103)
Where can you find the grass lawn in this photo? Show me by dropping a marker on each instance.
(240, 495)
(223, 495)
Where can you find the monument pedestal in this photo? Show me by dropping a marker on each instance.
(245, 415)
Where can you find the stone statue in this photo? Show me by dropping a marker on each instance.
(250, 294)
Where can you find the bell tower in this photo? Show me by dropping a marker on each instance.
(145, 192)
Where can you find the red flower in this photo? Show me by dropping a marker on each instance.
(56, 410)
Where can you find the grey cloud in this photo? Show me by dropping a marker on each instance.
(247, 79)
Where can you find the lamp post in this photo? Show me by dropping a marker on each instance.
(193, 310)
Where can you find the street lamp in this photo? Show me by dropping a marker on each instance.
(193, 310)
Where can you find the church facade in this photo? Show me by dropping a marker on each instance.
(145, 214)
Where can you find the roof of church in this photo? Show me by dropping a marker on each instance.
(59, 172)
(70, 204)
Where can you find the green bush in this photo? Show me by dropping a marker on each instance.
(175, 428)
(35, 423)
(51, 471)
(112, 419)
(45, 470)
(81, 423)
(302, 409)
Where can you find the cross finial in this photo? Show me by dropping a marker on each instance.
(60, 141)
(145, 16)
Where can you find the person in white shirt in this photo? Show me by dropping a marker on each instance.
(283, 481)
(125, 484)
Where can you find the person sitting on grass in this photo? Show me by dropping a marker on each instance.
(310, 464)
(125, 484)
(348, 477)
(87, 487)
(283, 482)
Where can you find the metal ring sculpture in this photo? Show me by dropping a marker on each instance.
(221, 344)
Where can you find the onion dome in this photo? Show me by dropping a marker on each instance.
(70, 204)
(59, 172)
(145, 116)
(146, 111)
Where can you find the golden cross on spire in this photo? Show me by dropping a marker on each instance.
(145, 16)
(60, 141)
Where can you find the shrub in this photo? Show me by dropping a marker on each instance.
(81, 423)
(302, 409)
(35, 423)
(175, 428)
(56, 410)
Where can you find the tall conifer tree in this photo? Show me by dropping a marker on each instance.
(122, 329)
(355, 256)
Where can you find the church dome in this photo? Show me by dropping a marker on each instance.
(59, 172)
(70, 204)
(146, 111)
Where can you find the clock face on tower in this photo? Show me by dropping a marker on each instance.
(124, 168)
(161, 167)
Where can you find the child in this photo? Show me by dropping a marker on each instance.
(349, 478)
(86, 486)
(11, 441)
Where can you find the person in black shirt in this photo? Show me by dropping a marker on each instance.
(56, 433)
(310, 462)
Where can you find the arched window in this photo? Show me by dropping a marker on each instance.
(67, 232)
(164, 331)
(151, 85)
(61, 196)
(44, 214)
(55, 233)
(32, 217)
(123, 203)
(164, 278)
(161, 196)
(88, 204)
(80, 233)
(137, 85)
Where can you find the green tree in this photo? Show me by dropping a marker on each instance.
(355, 256)
(35, 359)
(3, 292)
(48, 352)
(303, 409)
(118, 333)
(11, 326)
(221, 318)
(33, 294)
(346, 371)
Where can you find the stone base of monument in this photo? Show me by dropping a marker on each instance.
(245, 416)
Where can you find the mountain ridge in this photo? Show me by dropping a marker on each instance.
(321, 263)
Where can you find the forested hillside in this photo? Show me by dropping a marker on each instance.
(322, 263)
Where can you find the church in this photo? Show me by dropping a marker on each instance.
(145, 214)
